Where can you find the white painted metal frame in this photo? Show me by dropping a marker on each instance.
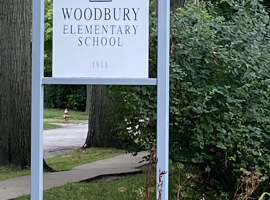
(163, 92)
(37, 101)
(38, 82)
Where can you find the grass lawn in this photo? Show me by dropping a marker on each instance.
(8, 172)
(65, 161)
(127, 188)
(57, 114)
(53, 118)
(49, 125)
(79, 157)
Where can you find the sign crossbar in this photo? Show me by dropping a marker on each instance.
(100, 81)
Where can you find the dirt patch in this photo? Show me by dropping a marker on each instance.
(111, 177)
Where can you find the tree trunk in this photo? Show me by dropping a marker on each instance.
(177, 4)
(99, 127)
(173, 4)
(15, 82)
(88, 94)
(47, 168)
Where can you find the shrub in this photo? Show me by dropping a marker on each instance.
(65, 96)
(219, 94)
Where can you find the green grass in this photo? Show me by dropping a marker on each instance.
(58, 114)
(79, 157)
(65, 161)
(53, 118)
(8, 172)
(48, 125)
(128, 188)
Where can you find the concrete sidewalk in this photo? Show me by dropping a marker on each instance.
(16, 187)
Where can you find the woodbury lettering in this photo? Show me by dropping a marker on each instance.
(95, 35)
(88, 14)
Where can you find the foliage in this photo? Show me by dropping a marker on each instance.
(219, 94)
(185, 183)
(65, 96)
(263, 195)
(248, 184)
(132, 107)
(48, 26)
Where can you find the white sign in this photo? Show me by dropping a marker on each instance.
(100, 39)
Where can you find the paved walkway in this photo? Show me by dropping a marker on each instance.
(16, 187)
(60, 140)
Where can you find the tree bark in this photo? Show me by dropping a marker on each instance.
(173, 4)
(88, 95)
(177, 4)
(15, 82)
(99, 128)
(47, 168)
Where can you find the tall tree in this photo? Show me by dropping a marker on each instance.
(99, 127)
(15, 82)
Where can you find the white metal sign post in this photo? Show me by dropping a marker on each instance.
(37, 101)
(100, 42)
(163, 91)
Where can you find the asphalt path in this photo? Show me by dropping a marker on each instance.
(64, 139)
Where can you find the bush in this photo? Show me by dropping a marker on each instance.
(219, 94)
(65, 96)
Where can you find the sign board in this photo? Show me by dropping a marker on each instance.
(100, 39)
